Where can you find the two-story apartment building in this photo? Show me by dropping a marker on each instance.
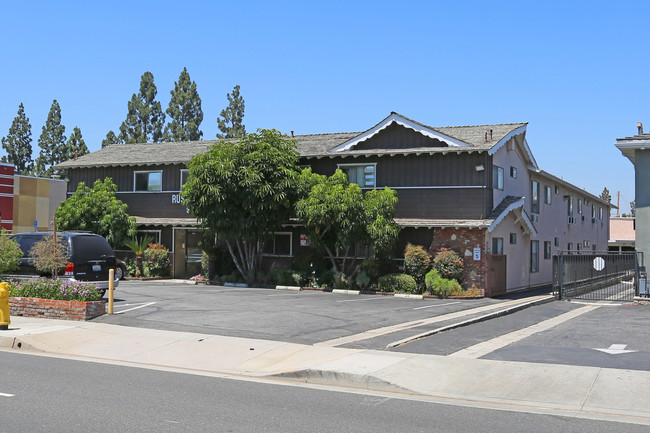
(475, 189)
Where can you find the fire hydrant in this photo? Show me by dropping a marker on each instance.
(4, 306)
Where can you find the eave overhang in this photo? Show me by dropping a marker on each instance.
(518, 208)
(628, 147)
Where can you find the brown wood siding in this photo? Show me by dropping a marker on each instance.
(457, 203)
(398, 137)
(451, 169)
(123, 176)
(153, 204)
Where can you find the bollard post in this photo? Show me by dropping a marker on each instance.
(111, 289)
(5, 320)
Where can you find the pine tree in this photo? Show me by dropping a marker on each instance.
(52, 143)
(18, 143)
(111, 138)
(605, 195)
(76, 145)
(145, 119)
(231, 125)
(185, 111)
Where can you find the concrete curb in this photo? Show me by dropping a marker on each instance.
(347, 292)
(407, 296)
(296, 288)
(482, 318)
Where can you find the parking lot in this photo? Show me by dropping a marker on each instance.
(604, 334)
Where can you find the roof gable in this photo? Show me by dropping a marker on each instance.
(395, 118)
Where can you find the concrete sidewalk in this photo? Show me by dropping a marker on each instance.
(588, 392)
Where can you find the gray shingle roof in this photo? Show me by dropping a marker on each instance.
(310, 145)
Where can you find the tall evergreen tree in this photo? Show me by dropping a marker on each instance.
(111, 138)
(232, 116)
(76, 144)
(52, 143)
(18, 143)
(145, 119)
(185, 111)
(605, 195)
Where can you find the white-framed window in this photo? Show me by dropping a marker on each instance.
(513, 172)
(557, 189)
(513, 238)
(497, 177)
(497, 245)
(579, 205)
(147, 180)
(364, 175)
(556, 242)
(547, 250)
(570, 206)
(185, 174)
(152, 234)
(534, 256)
(534, 196)
(547, 194)
(600, 213)
(281, 244)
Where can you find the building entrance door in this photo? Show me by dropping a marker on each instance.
(187, 252)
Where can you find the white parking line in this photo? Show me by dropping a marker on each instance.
(436, 305)
(2, 394)
(134, 308)
(365, 299)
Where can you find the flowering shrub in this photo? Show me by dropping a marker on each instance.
(63, 290)
(199, 279)
(156, 260)
(417, 262)
(10, 253)
(448, 264)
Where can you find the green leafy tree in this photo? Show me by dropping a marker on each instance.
(98, 210)
(184, 110)
(605, 195)
(18, 143)
(52, 143)
(10, 253)
(242, 191)
(232, 117)
(110, 139)
(76, 144)
(339, 217)
(145, 118)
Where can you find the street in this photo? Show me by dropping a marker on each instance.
(43, 394)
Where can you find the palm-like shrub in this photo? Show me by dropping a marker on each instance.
(138, 245)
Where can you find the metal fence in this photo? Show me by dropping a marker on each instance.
(596, 275)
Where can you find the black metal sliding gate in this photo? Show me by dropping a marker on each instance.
(596, 275)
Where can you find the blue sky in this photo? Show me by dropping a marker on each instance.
(576, 71)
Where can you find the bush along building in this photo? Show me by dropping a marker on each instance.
(475, 189)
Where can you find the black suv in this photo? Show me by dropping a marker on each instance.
(91, 257)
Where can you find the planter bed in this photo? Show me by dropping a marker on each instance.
(53, 309)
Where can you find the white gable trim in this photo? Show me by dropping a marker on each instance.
(396, 118)
(518, 205)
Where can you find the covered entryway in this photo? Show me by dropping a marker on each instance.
(602, 275)
(187, 252)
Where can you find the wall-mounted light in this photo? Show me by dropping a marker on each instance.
(479, 167)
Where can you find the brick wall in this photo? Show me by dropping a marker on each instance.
(463, 241)
(48, 308)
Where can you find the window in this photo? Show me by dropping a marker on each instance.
(557, 242)
(570, 206)
(184, 176)
(534, 196)
(557, 189)
(497, 177)
(513, 172)
(513, 238)
(579, 205)
(569, 247)
(578, 246)
(547, 194)
(279, 245)
(151, 234)
(600, 213)
(497, 245)
(547, 250)
(593, 211)
(361, 174)
(147, 181)
(534, 256)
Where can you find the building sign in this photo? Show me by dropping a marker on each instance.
(177, 199)
(303, 241)
(477, 254)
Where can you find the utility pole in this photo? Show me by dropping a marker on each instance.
(618, 202)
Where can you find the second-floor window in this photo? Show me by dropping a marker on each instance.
(497, 177)
(534, 196)
(361, 174)
(580, 205)
(185, 174)
(570, 206)
(547, 194)
(147, 181)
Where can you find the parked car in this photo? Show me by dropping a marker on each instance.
(91, 257)
(120, 270)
